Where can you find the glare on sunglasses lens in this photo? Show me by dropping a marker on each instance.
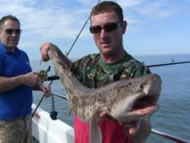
(108, 27)
(95, 29)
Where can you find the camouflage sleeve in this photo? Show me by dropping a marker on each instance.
(137, 69)
(140, 70)
(78, 67)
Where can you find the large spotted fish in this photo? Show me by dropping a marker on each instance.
(119, 99)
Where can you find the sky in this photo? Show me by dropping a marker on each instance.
(155, 27)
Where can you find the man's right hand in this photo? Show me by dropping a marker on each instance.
(31, 79)
(44, 48)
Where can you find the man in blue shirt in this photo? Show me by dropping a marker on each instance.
(16, 83)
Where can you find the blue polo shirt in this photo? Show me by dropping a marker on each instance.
(16, 102)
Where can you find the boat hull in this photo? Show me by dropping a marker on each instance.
(46, 130)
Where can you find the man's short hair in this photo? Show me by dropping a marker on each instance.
(8, 17)
(107, 6)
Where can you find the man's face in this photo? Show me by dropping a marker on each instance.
(10, 34)
(107, 31)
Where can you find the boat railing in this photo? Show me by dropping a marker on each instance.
(168, 136)
(154, 131)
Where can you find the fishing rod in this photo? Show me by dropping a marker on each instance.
(33, 113)
(49, 78)
(53, 114)
(168, 64)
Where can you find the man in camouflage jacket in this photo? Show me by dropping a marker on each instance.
(111, 64)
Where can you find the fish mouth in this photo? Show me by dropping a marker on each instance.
(145, 105)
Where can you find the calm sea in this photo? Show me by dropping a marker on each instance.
(174, 112)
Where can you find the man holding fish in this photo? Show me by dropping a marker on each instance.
(113, 63)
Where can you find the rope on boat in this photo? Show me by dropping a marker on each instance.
(154, 131)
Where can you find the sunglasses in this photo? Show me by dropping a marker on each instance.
(108, 27)
(11, 31)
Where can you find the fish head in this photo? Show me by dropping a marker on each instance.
(140, 101)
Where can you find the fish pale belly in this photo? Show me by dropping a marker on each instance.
(120, 111)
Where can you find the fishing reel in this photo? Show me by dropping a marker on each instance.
(43, 74)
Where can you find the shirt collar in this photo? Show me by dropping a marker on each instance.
(124, 59)
(4, 49)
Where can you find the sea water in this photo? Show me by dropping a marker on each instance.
(174, 104)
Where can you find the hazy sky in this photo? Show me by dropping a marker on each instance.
(154, 26)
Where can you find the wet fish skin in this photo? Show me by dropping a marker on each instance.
(118, 99)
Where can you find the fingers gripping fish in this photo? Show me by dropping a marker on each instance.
(119, 99)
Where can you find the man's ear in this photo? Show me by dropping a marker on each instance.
(124, 27)
(1, 30)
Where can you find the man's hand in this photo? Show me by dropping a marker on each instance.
(30, 79)
(104, 116)
(44, 48)
(46, 90)
(139, 130)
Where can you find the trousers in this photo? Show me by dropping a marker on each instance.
(17, 130)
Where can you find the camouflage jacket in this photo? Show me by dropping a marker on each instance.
(93, 72)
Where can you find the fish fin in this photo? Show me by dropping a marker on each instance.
(95, 132)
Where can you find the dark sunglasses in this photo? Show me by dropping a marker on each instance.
(11, 31)
(108, 27)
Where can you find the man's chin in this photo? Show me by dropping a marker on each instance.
(11, 46)
(108, 52)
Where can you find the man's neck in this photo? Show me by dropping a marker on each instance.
(113, 58)
(10, 49)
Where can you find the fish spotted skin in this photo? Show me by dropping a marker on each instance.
(119, 99)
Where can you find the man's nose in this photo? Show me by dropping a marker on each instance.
(103, 33)
(14, 34)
